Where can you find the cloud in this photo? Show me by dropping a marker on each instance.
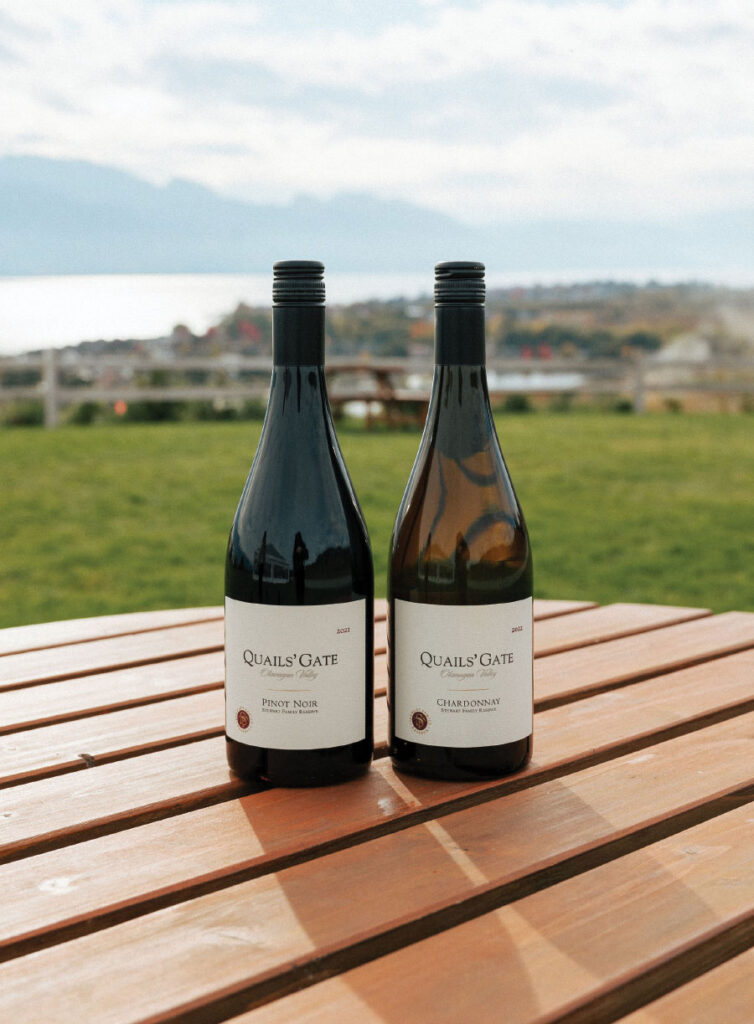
(487, 110)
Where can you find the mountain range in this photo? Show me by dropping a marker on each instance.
(75, 217)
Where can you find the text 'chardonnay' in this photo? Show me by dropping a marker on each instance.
(460, 577)
(298, 574)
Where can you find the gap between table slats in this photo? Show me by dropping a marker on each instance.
(462, 871)
(167, 862)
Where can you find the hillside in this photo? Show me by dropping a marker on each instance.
(601, 319)
(75, 217)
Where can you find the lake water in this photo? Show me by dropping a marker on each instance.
(37, 312)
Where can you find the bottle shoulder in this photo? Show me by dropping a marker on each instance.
(298, 535)
(460, 530)
(445, 492)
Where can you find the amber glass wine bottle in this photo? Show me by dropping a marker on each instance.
(298, 573)
(460, 576)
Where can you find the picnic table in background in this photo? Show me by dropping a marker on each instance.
(613, 879)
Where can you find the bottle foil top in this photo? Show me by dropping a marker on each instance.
(459, 282)
(298, 283)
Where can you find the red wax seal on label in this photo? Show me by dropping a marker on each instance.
(419, 720)
(243, 718)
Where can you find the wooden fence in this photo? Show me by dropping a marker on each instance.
(392, 385)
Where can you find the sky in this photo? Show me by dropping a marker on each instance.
(487, 110)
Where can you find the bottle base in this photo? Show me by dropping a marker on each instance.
(297, 768)
(461, 764)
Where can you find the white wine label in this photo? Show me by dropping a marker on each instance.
(463, 673)
(295, 676)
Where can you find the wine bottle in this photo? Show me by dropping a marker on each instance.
(298, 573)
(460, 574)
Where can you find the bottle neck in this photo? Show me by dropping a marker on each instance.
(298, 335)
(298, 420)
(459, 419)
(459, 335)
(298, 395)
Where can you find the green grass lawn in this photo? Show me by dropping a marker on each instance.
(620, 508)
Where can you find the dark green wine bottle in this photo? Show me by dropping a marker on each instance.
(298, 574)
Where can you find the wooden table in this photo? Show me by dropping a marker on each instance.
(613, 879)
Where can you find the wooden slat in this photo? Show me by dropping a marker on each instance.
(546, 608)
(91, 656)
(60, 809)
(380, 608)
(380, 637)
(724, 994)
(563, 949)
(89, 741)
(86, 695)
(261, 831)
(261, 934)
(573, 674)
(567, 676)
(606, 623)
(381, 728)
(73, 631)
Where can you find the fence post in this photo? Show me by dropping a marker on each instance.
(640, 395)
(50, 383)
